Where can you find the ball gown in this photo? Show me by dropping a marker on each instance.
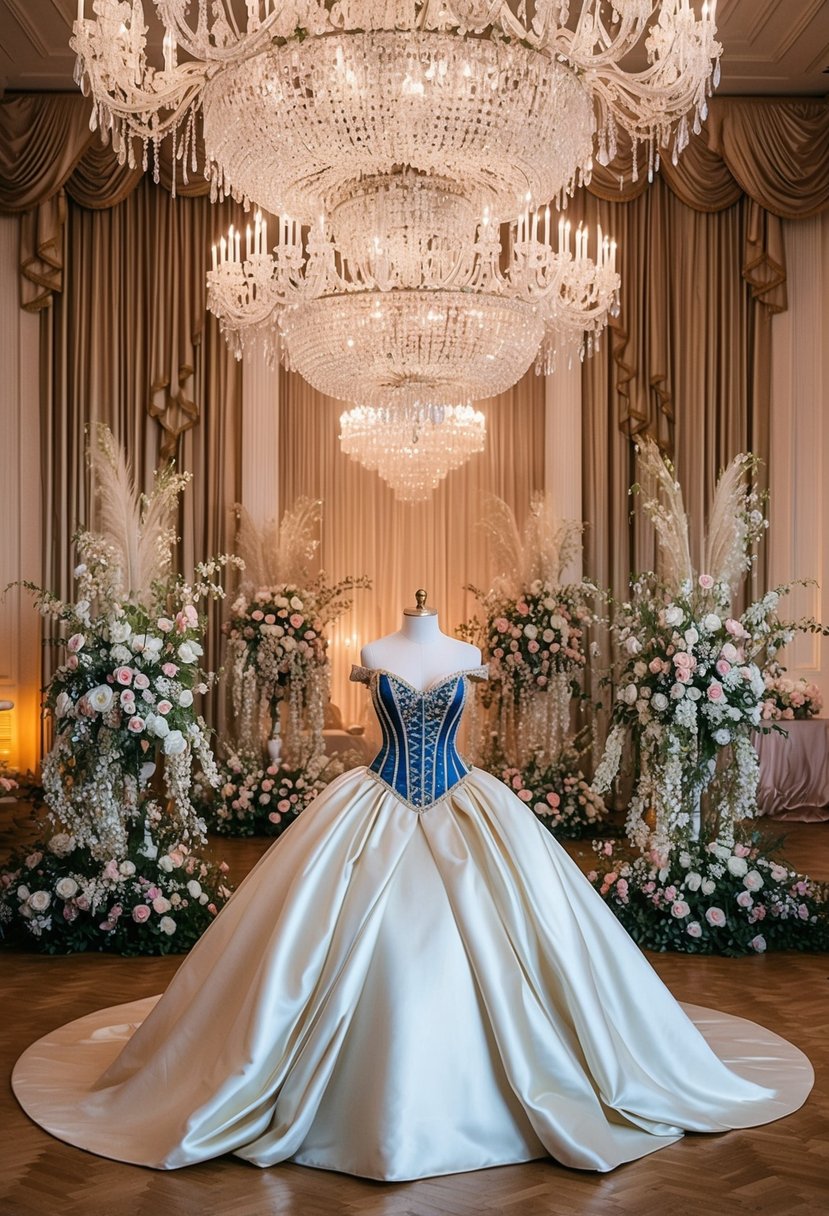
(414, 980)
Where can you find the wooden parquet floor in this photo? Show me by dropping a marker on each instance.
(779, 1169)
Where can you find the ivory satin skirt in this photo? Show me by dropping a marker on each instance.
(396, 995)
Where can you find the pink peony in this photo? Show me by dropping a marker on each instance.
(140, 913)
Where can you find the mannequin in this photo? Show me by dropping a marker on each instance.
(418, 652)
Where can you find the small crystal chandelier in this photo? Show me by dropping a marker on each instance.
(416, 146)
(412, 448)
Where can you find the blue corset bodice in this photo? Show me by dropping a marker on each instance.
(419, 759)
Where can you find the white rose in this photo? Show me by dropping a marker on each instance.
(66, 887)
(185, 698)
(165, 864)
(187, 653)
(685, 860)
(753, 881)
(691, 636)
(119, 631)
(737, 866)
(711, 622)
(39, 901)
(167, 925)
(63, 705)
(693, 881)
(100, 698)
(61, 844)
(23, 893)
(160, 726)
(153, 645)
(673, 615)
(677, 691)
(659, 701)
(693, 693)
(194, 888)
(174, 743)
(633, 645)
(296, 603)
(629, 694)
(530, 631)
(708, 886)
(127, 868)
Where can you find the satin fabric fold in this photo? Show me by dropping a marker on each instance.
(397, 995)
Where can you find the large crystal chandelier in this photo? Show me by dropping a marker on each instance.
(411, 149)
(412, 448)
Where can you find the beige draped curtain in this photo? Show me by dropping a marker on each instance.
(117, 268)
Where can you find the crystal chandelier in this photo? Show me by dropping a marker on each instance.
(412, 448)
(416, 146)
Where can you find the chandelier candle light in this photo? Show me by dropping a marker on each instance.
(416, 147)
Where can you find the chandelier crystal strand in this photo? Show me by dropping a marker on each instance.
(413, 448)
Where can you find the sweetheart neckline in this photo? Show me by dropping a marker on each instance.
(430, 687)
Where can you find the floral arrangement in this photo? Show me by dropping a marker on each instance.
(713, 898)
(533, 632)
(559, 794)
(689, 682)
(59, 897)
(276, 632)
(253, 799)
(8, 783)
(123, 697)
(789, 700)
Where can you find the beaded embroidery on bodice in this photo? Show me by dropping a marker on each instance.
(419, 758)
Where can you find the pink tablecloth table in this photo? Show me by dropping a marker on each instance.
(794, 771)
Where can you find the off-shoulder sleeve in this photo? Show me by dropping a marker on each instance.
(360, 675)
(478, 673)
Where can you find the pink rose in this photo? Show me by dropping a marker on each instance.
(169, 669)
(164, 624)
(553, 798)
(522, 608)
(706, 582)
(655, 666)
(525, 795)
(622, 888)
(123, 675)
(75, 643)
(735, 628)
(270, 619)
(758, 943)
(722, 667)
(141, 681)
(70, 912)
(136, 725)
(296, 619)
(164, 707)
(257, 615)
(83, 903)
(72, 662)
(111, 870)
(679, 909)
(715, 691)
(127, 698)
(533, 646)
(682, 659)
(283, 805)
(694, 929)
(715, 916)
(140, 913)
(501, 624)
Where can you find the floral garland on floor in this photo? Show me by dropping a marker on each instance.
(253, 799)
(123, 697)
(533, 636)
(559, 794)
(713, 899)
